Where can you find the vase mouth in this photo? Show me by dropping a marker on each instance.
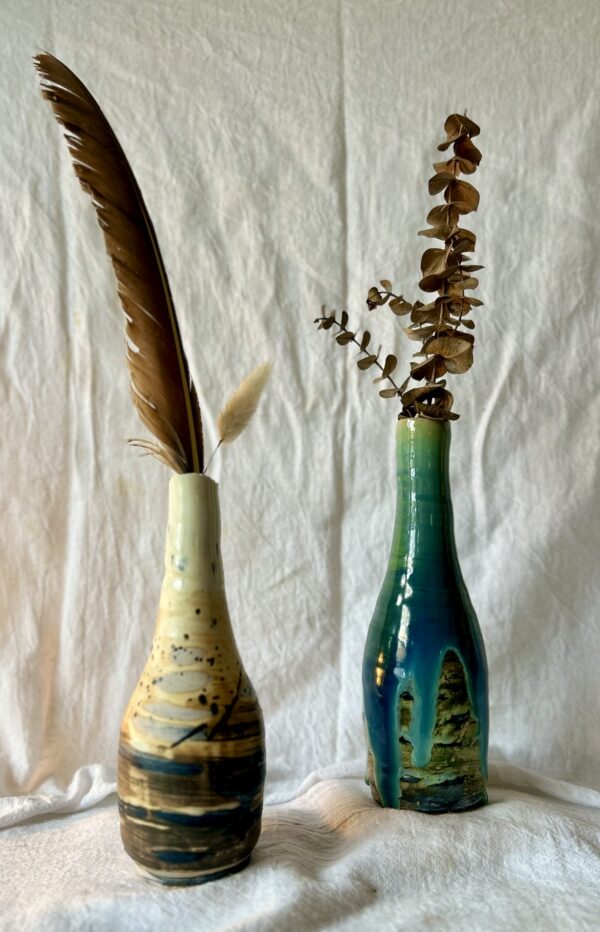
(424, 423)
(191, 478)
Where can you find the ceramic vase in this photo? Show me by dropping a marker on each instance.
(424, 668)
(191, 753)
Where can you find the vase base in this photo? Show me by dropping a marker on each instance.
(437, 804)
(183, 879)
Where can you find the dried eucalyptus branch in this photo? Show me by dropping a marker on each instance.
(447, 347)
(367, 359)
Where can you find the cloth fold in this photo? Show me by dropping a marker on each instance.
(328, 857)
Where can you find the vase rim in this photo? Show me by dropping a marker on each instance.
(413, 421)
(191, 477)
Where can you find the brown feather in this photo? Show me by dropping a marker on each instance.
(161, 387)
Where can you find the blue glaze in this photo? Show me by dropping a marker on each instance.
(157, 764)
(176, 856)
(423, 611)
(212, 818)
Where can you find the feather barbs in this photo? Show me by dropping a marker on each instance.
(163, 392)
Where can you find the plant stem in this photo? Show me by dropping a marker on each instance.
(210, 458)
(364, 351)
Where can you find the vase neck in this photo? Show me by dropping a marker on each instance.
(423, 540)
(192, 548)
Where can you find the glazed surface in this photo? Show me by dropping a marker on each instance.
(191, 753)
(424, 668)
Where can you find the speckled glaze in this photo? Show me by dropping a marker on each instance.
(424, 668)
(192, 754)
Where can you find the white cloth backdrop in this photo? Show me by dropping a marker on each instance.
(283, 150)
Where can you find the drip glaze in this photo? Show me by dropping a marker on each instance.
(423, 631)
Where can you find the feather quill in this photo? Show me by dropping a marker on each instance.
(242, 405)
(161, 387)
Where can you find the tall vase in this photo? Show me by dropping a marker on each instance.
(191, 754)
(424, 668)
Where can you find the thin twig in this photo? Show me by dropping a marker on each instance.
(364, 351)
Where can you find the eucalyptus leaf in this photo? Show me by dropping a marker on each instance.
(366, 362)
(399, 306)
(459, 364)
(458, 124)
(447, 347)
(389, 365)
(421, 333)
(462, 195)
(433, 261)
(436, 232)
(468, 150)
(440, 181)
(430, 369)
(443, 215)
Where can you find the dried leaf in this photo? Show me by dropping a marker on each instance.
(399, 306)
(433, 261)
(421, 333)
(327, 324)
(431, 283)
(462, 363)
(388, 392)
(366, 338)
(430, 369)
(463, 196)
(386, 284)
(402, 388)
(343, 319)
(437, 232)
(458, 128)
(426, 312)
(462, 283)
(344, 338)
(466, 149)
(374, 299)
(366, 362)
(440, 181)
(448, 347)
(437, 391)
(454, 165)
(462, 244)
(444, 215)
(435, 282)
(389, 365)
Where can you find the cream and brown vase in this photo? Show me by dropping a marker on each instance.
(192, 752)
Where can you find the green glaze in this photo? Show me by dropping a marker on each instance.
(424, 668)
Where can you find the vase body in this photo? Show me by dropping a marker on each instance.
(191, 752)
(424, 668)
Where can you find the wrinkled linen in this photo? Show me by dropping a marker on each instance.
(329, 857)
(283, 150)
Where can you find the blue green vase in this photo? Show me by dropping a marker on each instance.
(424, 668)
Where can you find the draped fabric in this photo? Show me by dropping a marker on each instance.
(283, 150)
